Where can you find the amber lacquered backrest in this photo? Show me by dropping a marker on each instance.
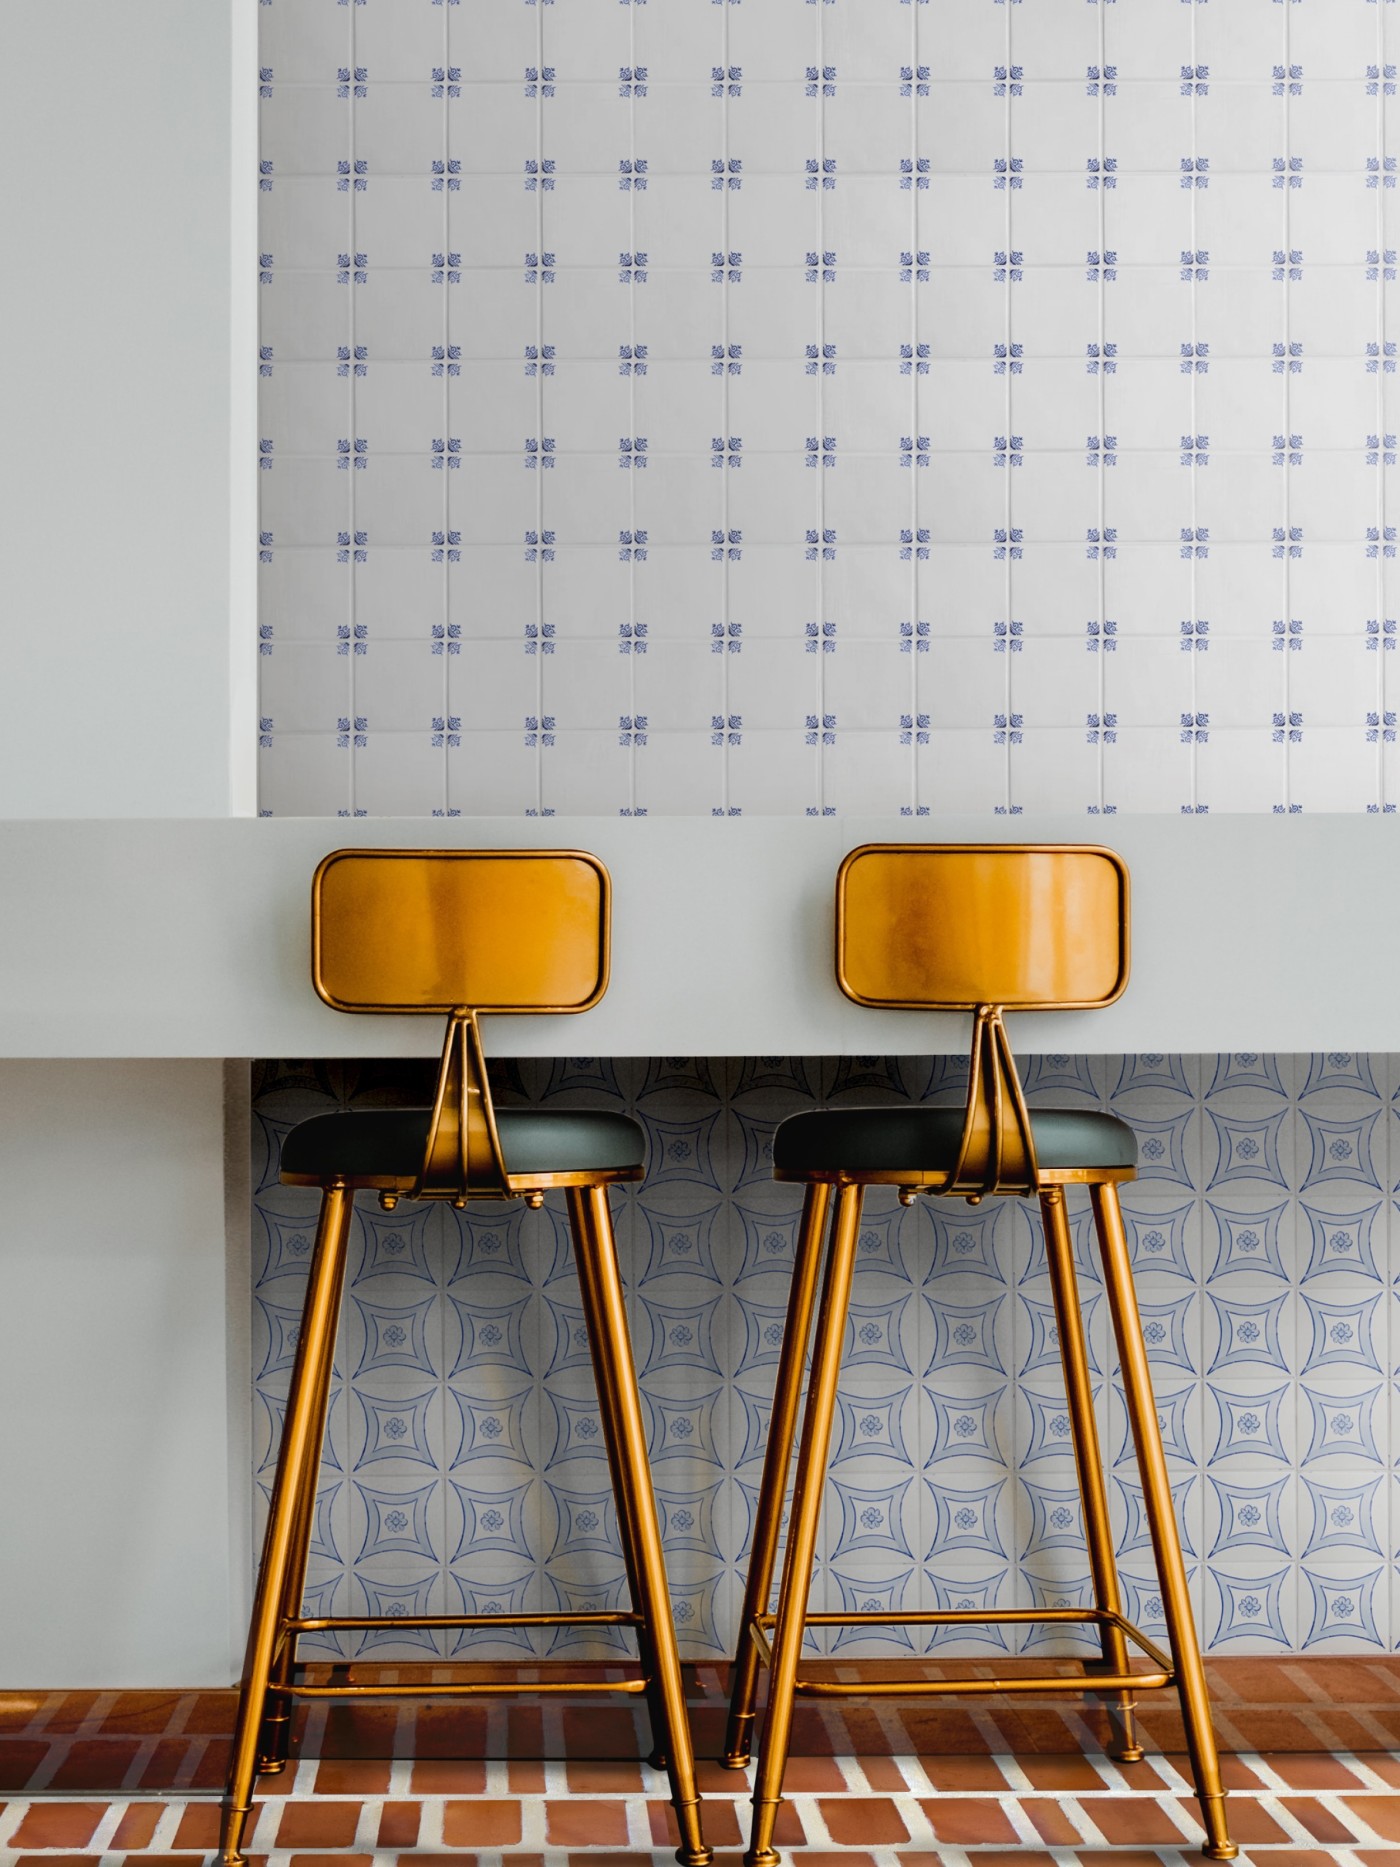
(951, 926)
(512, 930)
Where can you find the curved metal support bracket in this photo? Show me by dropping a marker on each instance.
(463, 1158)
(997, 1151)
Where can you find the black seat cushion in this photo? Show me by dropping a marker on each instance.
(372, 1143)
(890, 1140)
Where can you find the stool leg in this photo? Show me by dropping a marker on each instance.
(1166, 1543)
(314, 1349)
(274, 1738)
(777, 1459)
(611, 1346)
(613, 1432)
(1059, 1254)
(802, 1530)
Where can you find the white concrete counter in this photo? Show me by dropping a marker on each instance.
(191, 938)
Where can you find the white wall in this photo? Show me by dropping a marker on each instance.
(122, 1556)
(115, 296)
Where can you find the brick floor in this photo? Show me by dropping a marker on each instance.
(536, 1785)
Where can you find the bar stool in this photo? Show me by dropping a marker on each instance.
(983, 928)
(461, 933)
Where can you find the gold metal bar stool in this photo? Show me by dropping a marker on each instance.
(461, 933)
(983, 928)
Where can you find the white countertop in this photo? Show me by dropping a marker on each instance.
(130, 938)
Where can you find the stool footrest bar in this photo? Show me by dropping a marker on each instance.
(489, 1688)
(1095, 1682)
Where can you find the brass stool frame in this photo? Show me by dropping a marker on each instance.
(894, 949)
(424, 930)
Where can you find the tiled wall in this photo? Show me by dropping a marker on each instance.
(872, 405)
(465, 1467)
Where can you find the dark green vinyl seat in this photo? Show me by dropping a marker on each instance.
(389, 1143)
(926, 1140)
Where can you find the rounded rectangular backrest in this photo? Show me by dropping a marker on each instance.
(950, 926)
(513, 930)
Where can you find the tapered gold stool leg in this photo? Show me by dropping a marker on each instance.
(802, 1529)
(1098, 1533)
(611, 1346)
(585, 1263)
(274, 1738)
(298, 1447)
(1166, 1543)
(768, 1513)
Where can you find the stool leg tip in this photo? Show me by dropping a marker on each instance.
(762, 1857)
(695, 1857)
(657, 1760)
(1130, 1753)
(1220, 1850)
(734, 1760)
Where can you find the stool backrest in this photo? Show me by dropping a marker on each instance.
(986, 928)
(461, 932)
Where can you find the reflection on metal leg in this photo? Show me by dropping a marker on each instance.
(802, 1531)
(622, 1419)
(1166, 1544)
(298, 1448)
(777, 1460)
(1098, 1533)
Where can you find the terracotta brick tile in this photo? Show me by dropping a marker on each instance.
(1373, 1857)
(602, 1859)
(721, 1821)
(1123, 1857)
(525, 1776)
(1249, 1823)
(937, 1731)
(1051, 1821)
(57, 1860)
(524, 1731)
(213, 1715)
(1031, 1728)
(1250, 1681)
(809, 1776)
(600, 1731)
(882, 1772)
(585, 1824)
(964, 1820)
(1071, 1773)
(199, 1825)
(866, 1732)
(318, 1824)
(1126, 1819)
(95, 1763)
(810, 1736)
(73, 1709)
(165, 1762)
(1307, 1857)
(965, 1773)
(352, 1776)
(58, 1825)
(19, 1759)
(1382, 1813)
(601, 1776)
(178, 1860)
(136, 1827)
(1270, 1730)
(713, 1779)
(486, 1823)
(1320, 1823)
(359, 1730)
(398, 1824)
(991, 1857)
(331, 1860)
(431, 1776)
(460, 1860)
(1384, 1765)
(143, 1713)
(1314, 1772)
(457, 1731)
(872, 1819)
